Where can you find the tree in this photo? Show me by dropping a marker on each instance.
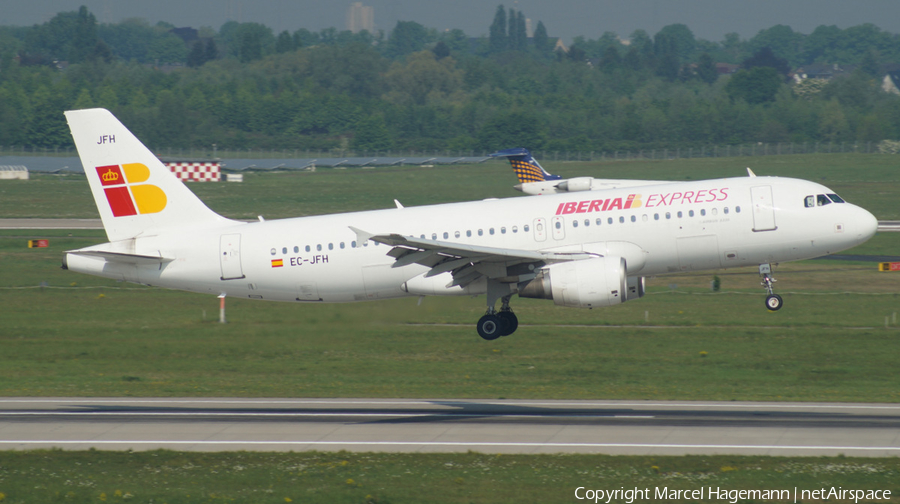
(372, 134)
(84, 40)
(781, 40)
(197, 56)
(756, 85)
(284, 43)
(441, 50)
(497, 37)
(766, 58)
(706, 69)
(665, 53)
(519, 129)
(682, 39)
(541, 41)
(210, 52)
(406, 38)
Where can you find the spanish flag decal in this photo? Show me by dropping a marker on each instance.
(277, 263)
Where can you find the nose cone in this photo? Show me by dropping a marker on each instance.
(864, 224)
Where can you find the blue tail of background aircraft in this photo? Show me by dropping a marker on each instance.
(526, 167)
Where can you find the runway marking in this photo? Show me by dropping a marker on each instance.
(457, 444)
(454, 402)
(291, 415)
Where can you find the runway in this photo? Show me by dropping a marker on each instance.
(501, 426)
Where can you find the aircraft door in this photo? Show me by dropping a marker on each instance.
(559, 228)
(230, 256)
(540, 229)
(763, 208)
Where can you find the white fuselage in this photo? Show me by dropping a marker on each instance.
(684, 226)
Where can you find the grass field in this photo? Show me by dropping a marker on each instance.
(171, 477)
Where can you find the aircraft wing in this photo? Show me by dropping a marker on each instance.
(465, 262)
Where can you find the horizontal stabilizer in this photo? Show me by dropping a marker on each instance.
(119, 257)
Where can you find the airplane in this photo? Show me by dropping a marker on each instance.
(534, 179)
(579, 249)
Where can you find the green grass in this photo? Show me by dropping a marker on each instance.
(868, 180)
(88, 336)
(173, 477)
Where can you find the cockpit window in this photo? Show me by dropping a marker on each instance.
(822, 200)
(836, 198)
(809, 201)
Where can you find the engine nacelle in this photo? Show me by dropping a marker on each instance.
(635, 288)
(589, 283)
(575, 184)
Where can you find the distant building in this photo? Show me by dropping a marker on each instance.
(360, 17)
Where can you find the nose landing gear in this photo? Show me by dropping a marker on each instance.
(773, 301)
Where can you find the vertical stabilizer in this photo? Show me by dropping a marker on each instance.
(135, 192)
(526, 167)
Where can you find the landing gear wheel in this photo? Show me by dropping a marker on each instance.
(490, 327)
(774, 302)
(510, 321)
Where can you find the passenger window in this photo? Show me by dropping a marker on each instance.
(296, 249)
(702, 212)
(480, 232)
(319, 247)
(822, 200)
(587, 222)
(645, 218)
(690, 213)
(307, 248)
(599, 220)
(634, 218)
(809, 201)
(726, 210)
(342, 244)
(836, 198)
(715, 211)
(668, 215)
(422, 236)
(574, 223)
(679, 214)
(558, 225)
(434, 236)
(525, 228)
(284, 250)
(656, 216)
(737, 209)
(456, 234)
(621, 219)
(272, 251)
(515, 229)
(468, 233)
(331, 246)
(353, 244)
(491, 231)
(609, 220)
(503, 230)
(446, 235)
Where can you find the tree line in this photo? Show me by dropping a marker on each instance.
(416, 88)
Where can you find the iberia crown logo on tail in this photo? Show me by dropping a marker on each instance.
(125, 192)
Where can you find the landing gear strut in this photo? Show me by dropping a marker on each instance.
(773, 301)
(495, 324)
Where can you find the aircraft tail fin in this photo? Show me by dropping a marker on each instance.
(526, 167)
(135, 192)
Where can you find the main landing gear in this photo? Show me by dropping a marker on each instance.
(498, 323)
(773, 301)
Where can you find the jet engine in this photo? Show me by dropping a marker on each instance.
(575, 184)
(588, 283)
(635, 288)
